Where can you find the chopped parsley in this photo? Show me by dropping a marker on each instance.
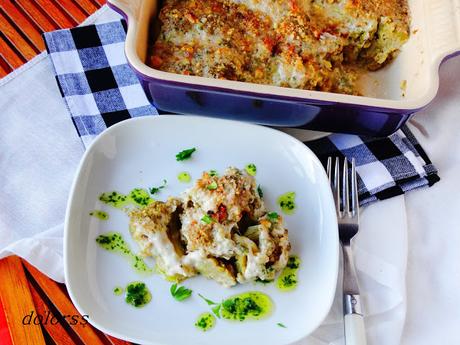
(213, 173)
(293, 262)
(260, 191)
(212, 185)
(289, 280)
(216, 310)
(206, 219)
(185, 154)
(273, 216)
(180, 293)
(251, 169)
(208, 301)
(155, 190)
(263, 281)
(281, 325)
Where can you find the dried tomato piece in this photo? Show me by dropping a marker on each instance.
(222, 213)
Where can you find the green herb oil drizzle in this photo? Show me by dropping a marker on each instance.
(99, 214)
(137, 294)
(205, 322)
(287, 203)
(114, 242)
(287, 280)
(137, 196)
(248, 305)
(184, 177)
(251, 169)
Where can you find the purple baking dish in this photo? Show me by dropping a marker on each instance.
(393, 94)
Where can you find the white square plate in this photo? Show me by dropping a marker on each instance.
(141, 153)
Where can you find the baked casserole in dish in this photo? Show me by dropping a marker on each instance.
(349, 66)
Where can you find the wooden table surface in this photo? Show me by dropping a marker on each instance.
(23, 21)
(26, 295)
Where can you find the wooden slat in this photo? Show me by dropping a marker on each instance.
(11, 57)
(5, 67)
(70, 9)
(24, 24)
(100, 2)
(17, 302)
(62, 303)
(60, 18)
(87, 6)
(4, 331)
(23, 21)
(31, 10)
(15, 39)
(55, 330)
(115, 341)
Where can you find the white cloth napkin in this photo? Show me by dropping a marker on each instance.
(38, 160)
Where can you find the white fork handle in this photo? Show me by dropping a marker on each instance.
(355, 333)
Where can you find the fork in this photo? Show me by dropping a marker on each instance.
(347, 206)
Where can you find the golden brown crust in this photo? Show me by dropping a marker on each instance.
(309, 44)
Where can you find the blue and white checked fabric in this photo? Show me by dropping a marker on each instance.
(95, 80)
(100, 90)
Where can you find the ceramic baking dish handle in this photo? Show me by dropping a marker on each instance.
(443, 27)
(136, 12)
(130, 9)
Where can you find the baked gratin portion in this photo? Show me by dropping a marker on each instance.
(219, 228)
(322, 45)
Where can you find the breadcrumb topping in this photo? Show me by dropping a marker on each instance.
(309, 44)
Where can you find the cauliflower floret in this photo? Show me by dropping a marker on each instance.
(263, 250)
(152, 227)
(219, 228)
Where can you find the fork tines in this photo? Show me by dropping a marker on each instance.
(345, 193)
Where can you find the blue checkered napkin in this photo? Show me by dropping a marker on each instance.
(386, 167)
(95, 80)
(100, 90)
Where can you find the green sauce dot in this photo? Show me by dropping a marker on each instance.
(117, 291)
(137, 294)
(249, 305)
(251, 169)
(287, 202)
(99, 214)
(287, 280)
(114, 242)
(140, 197)
(205, 322)
(184, 177)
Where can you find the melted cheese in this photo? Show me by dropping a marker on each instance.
(307, 44)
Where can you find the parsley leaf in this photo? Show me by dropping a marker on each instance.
(180, 293)
(273, 216)
(185, 154)
(259, 191)
(207, 300)
(154, 190)
(206, 219)
(281, 325)
(212, 185)
(216, 310)
(213, 173)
